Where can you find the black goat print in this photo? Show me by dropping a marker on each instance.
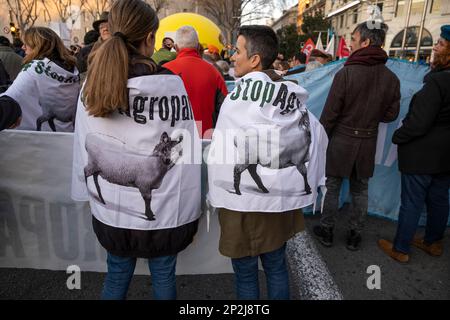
(51, 111)
(145, 173)
(293, 154)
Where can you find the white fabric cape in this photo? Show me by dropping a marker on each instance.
(43, 84)
(123, 145)
(266, 124)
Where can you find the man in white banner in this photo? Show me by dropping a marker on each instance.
(266, 160)
(134, 151)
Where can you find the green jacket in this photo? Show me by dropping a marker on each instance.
(163, 55)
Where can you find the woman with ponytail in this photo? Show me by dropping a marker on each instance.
(133, 154)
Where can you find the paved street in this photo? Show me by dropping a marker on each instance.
(424, 277)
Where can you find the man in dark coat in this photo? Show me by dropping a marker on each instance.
(424, 160)
(363, 94)
(9, 113)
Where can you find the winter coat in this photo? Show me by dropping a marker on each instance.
(363, 94)
(119, 223)
(5, 80)
(204, 85)
(9, 114)
(45, 89)
(424, 137)
(246, 234)
(11, 60)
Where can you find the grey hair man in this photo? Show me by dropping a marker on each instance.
(363, 94)
(186, 37)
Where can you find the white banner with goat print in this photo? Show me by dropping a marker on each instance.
(41, 227)
(142, 165)
(47, 95)
(268, 151)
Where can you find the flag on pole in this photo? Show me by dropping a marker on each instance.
(319, 44)
(307, 48)
(343, 51)
(330, 46)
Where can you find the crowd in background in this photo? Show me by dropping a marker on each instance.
(40, 84)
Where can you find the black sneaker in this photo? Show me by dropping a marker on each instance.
(324, 235)
(353, 240)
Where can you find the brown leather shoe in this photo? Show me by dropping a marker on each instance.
(435, 249)
(388, 248)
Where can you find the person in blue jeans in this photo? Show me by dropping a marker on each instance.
(247, 236)
(121, 158)
(120, 272)
(424, 160)
(275, 269)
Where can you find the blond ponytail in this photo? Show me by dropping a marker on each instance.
(105, 90)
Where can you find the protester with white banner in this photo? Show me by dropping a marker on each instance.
(266, 160)
(47, 88)
(134, 155)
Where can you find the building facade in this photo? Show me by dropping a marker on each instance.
(346, 14)
(288, 17)
(79, 19)
(311, 8)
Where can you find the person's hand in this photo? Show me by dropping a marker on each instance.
(16, 124)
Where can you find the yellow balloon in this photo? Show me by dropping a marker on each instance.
(208, 32)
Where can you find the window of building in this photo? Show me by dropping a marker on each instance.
(417, 6)
(411, 38)
(341, 21)
(355, 16)
(400, 8)
(435, 6)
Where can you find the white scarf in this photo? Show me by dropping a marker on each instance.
(266, 138)
(147, 160)
(45, 90)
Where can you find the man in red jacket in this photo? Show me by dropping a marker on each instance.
(204, 84)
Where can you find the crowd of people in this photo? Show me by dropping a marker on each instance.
(121, 97)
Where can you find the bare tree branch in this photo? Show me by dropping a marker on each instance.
(230, 14)
(96, 7)
(24, 11)
(157, 5)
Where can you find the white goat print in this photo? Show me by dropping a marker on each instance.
(145, 173)
(293, 151)
(51, 111)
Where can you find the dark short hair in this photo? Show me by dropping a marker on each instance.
(4, 41)
(260, 40)
(300, 56)
(91, 37)
(17, 43)
(167, 38)
(372, 30)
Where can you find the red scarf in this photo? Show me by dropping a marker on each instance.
(368, 56)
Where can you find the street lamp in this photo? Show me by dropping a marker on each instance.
(14, 30)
